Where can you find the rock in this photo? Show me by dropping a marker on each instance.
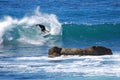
(93, 50)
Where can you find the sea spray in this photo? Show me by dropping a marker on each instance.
(24, 30)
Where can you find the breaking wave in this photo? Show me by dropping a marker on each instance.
(24, 30)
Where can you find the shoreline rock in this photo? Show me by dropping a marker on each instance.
(93, 51)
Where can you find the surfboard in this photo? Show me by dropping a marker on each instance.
(46, 34)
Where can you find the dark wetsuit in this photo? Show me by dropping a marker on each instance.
(42, 27)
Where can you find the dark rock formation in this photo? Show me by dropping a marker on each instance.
(93, 50)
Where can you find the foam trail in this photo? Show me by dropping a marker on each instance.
(108, 65)
(24, 29)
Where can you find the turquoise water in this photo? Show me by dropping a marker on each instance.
(73, 23)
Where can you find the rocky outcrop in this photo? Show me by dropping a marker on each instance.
(93, 50)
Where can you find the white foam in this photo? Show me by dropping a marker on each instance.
(83, 66)
(5, 24)
(2, 55)
(90, 66)
(32, 58)
(40, 41)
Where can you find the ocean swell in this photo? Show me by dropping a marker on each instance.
(103, 31)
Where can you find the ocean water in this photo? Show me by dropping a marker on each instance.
(72, 23)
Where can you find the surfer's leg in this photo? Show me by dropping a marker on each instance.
(46, 31)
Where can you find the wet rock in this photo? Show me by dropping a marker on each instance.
(93, 50)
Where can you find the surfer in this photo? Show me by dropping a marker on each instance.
(43, 29)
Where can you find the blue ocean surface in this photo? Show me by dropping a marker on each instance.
(72, 24)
